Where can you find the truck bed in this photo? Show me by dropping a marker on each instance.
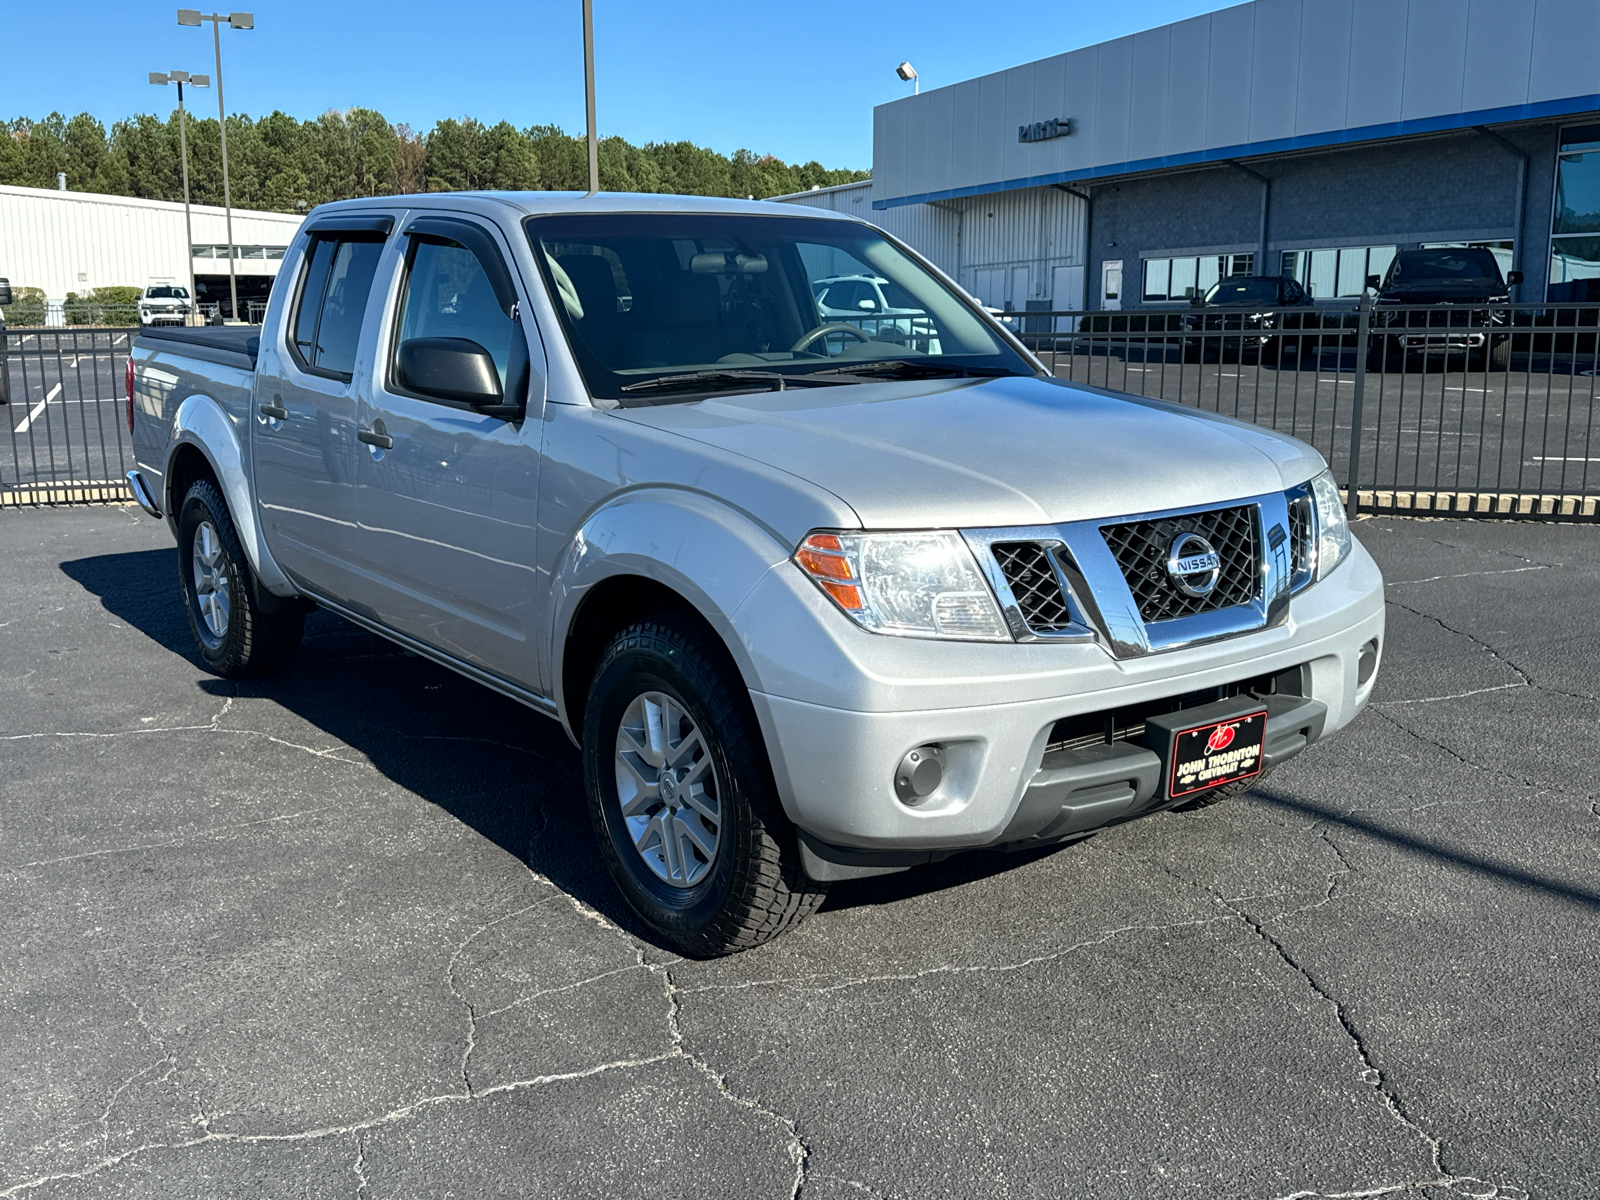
(229, 345)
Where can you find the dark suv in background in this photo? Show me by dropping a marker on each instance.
(1468, 310)
(1235, 321)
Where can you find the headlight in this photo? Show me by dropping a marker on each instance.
(1332, 530)
(905, 584)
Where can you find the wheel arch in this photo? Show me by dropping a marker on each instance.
(205, 444)
(663, 552)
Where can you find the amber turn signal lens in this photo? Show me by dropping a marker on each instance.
(847, 594)
(828, 566)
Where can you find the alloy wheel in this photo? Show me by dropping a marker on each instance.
(211, 580)
(667, 789)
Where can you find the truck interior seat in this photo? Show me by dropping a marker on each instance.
(685, 325)
(602, 324)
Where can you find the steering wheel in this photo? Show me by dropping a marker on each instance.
(822, 331)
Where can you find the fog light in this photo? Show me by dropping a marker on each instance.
(919, 774)
(1367, 662)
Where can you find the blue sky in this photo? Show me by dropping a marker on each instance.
(793, 79)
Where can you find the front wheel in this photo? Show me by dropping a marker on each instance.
(233, 633)
(682, 798)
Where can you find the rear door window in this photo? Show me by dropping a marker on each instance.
(333, 302)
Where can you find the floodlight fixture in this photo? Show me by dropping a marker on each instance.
(189, 16)
(157, 78)
(909, 73)
(241, 20)
(178, 76)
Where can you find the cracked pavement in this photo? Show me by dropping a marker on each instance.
(343, 933)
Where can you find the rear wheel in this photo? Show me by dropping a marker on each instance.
(1500, 354)
(682, 798)
(232, 632)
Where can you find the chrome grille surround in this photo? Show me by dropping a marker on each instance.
(1302, 537)
(1100, 604)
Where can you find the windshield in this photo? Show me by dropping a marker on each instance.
(1458, 266)
(644, 296)
(1243, 291)
(167, 292)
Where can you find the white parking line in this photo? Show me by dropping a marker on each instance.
(1555, 458)
(121, 337)
(37, 409)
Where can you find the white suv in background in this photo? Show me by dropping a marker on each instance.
(164, 304)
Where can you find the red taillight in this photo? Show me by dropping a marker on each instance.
(130, 395)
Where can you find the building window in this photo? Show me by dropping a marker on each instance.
(1574, 246)
(1185, 278)
(1331, 274)
(206, 251)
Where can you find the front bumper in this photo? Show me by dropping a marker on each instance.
(834, 765)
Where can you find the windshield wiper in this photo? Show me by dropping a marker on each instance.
(912, 368)
(710, 381)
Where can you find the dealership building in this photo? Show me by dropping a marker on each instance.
(1311, 138)
(73, 242)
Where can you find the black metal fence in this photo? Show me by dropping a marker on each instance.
(1487, 409)
(65, 437)
(1450, 408)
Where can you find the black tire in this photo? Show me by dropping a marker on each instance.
(1499, 354)
(1226, 792)
(754, 887)
(251, 641)
(1191, 352)
(1381, 357)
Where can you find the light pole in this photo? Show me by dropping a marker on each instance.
(180, 78)
(909, 73)
(238, 20)
(588, 95)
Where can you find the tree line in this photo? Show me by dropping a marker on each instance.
(281, 164)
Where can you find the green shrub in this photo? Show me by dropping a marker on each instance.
(116, 306)
(26, 308)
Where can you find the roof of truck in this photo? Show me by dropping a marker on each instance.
(538, 203)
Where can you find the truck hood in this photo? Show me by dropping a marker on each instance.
(998, 452)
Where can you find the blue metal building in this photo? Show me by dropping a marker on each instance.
(1310, 137)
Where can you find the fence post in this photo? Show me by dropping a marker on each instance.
(1357, 403)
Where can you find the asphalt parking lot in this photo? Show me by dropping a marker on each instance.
(343, 933)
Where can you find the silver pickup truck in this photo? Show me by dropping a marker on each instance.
(818, 598)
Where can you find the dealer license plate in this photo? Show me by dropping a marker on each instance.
(1207, 756)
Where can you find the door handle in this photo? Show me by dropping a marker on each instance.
(275, 411)
(375, 437)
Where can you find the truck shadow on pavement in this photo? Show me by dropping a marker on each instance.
(491, 763)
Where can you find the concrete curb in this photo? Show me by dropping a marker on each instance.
(1510, 505)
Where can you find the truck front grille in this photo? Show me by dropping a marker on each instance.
(1027, 568)
(1141, 549)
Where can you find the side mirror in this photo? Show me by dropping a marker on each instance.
(1374, 282)
(1197, 301)
(453, 369)
(1514, 278)
(5, 292)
